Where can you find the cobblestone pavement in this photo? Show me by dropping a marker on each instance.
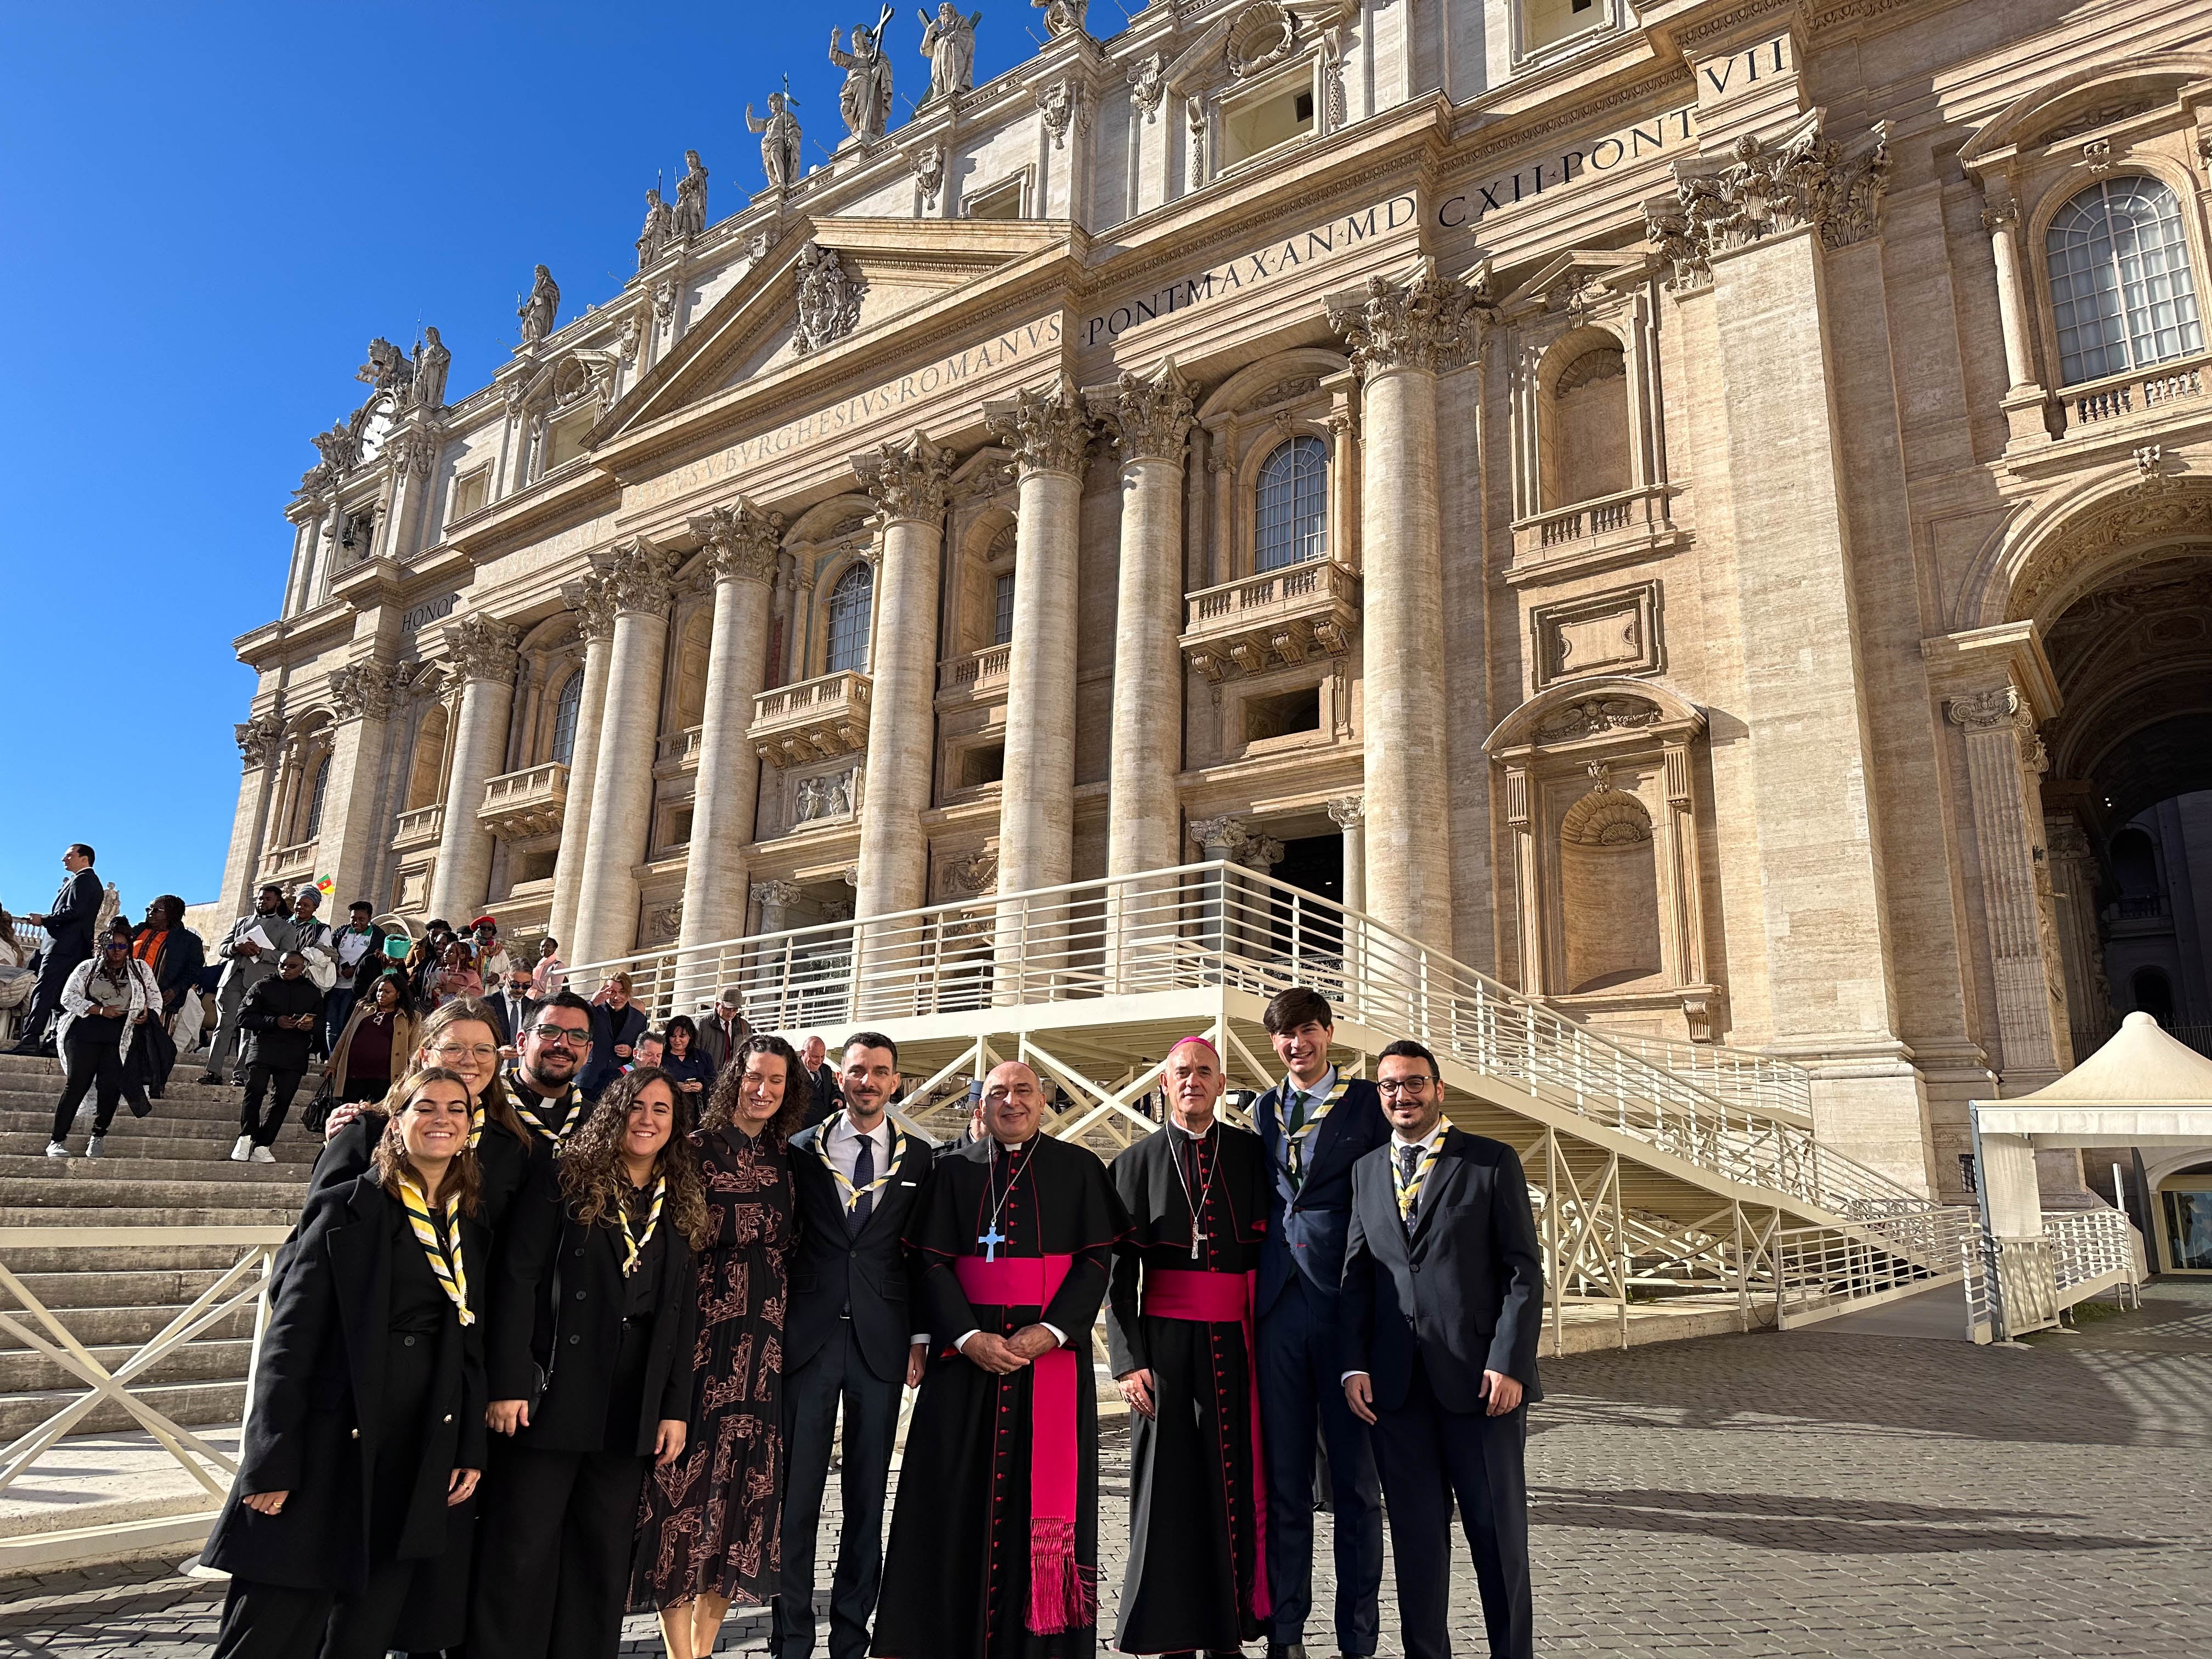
(1817, 1493)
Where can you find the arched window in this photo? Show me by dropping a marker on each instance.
(313, 826)
(1292, 502)
(849, 603)
(2120, 285)
(565, 711)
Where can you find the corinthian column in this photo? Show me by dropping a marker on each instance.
(908, 480)
(483, 652)
(1048, 433)
(260, 746)
(741, 545)
(594, 605)
(354, 831)
(621, 786)
(1398, 331)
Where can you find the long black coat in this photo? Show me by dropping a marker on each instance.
(317, 1400)
(833, 1269)
(559, 1304)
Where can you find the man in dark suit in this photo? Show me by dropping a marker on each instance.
(850, 1335)
(69, 925)
(823, 1077)
(723, 1030)
(1313, 1126)
(512, 1007)
(1442, 1304)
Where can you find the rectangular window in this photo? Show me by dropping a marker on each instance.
(981, 766)
(1000, 201)
(1282, 715)
(564, 439)
(1259, 122)
(1002, 626)
(1966, 1176)
(471, 494)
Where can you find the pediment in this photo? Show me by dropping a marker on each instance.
(1595, 275)
(903, 266)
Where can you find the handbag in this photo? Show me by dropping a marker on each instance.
(320, 1108)
(541, 1377)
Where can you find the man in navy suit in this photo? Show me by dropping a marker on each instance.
(1442, 1304)
(1314, 1125)
(76, 908)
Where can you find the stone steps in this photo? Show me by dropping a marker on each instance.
(194, 1404)
(123, 1161)
(153, 1141)
(206, 1359)
(120, 1324)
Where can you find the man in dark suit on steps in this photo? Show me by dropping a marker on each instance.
(1314, 1125)
(76, 909)
(1442, 1304)
(851, 1335)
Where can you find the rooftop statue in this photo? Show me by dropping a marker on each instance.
(692, 197)
(659, 228)
(779, 153)
(865, 100)
(948, 41)
(432, 359)
(539, 311)
(387, 369)
(1061, 16)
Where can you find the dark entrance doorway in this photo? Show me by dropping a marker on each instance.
(1312, 864)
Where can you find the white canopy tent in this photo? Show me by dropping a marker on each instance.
(2141, 1089)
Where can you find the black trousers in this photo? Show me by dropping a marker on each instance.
(55, 966)
(270, 1621)
(93, 1060)
(1431, 1457)
(553, 1552)
(1300, 1383)
(837, 1373)
(258, 1077)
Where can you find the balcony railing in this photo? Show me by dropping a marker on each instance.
(1591, 524)
(1282, 617)
(978, 674)
(2141, 391)
(530, 802)
(813, 719)
(283, 863)
(420, 828)
(678, 751)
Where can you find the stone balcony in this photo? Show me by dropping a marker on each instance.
(1610, 529)
(1272, 620)
(813, 719)
(531, 802)
(2138, 398)
(979, 677)
(288, 864)
(418, 828)
(678, 751)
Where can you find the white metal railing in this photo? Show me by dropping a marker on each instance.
(1821, 1271)
(1743, 1076)
(2092, 1248)
(1218, 925)
(2015, 1285)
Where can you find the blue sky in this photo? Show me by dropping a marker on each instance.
(208, 212)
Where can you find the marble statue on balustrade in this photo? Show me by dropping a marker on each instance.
(1061, 16)
(780, 153)
(387, 369)
(692, 197)
(659, 228)
(865, 100)
(948, 41)
(432, 360)
(539, 311)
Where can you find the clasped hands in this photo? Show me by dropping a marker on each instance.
(1008, 1354)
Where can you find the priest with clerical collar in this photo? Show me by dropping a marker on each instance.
(994, 1541)
(1179, 1329)
(550, 1052)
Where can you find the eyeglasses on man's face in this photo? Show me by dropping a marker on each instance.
(560, 1036)
(1390, 1087)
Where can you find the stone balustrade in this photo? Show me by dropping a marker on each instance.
(531, 802)
(2140, 392)
(420, 828)
(813, 719)
(1282, 617)
(678, 751)
(1630, 519)
(288, 863)
(977, 677)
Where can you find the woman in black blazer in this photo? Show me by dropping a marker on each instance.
(347, 1529)
(591, 1372)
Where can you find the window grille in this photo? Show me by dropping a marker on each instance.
(564, 718)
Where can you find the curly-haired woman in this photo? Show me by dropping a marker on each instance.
(712, 1531)
(589, 1364)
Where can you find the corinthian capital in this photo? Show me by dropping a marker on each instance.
(1345, 811)
(364, 689)
(1414, 321)
(1149, 418)
(260, 739)
(594, 605)
(1231, 834)
(741, 541)
(907, 479)
(481, 648)
(1046, 430)
(1997, 710)
(637, 574)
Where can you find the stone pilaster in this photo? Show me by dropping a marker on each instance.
(908, 480)
(260, 750)
(1048, 433)
(484, 656)
(637, 577)
(2074, 876)
(741, 543)
(594, 603)
(1400, 331)
(362, 695)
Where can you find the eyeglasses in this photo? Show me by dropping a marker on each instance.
(1390, 1087)
(452, 1053)
(560, 1036)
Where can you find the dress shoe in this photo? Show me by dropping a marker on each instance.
(1286, 1651)
(210, 1079)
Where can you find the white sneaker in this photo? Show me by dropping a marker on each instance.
(96, 1147)
(241, 1149)
(55, 1149)
(261, 1155)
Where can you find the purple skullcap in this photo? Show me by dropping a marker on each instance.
(1194, 1037)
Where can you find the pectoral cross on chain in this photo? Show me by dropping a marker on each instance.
(990, 1241)
(1198, 1236)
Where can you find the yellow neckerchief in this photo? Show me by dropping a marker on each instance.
(633, 1247)
(847, 1194)
(518, 1095)
(1409, 1192)
(445, 1255)
(1294, 1145)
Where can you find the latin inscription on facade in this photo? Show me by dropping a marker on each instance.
(428, 612)
(1671, 135)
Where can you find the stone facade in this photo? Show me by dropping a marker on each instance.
(1621, 497)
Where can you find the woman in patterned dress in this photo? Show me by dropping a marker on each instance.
(711, 1532)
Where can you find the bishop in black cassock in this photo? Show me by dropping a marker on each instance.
(1179, 1330)
(995, 1539)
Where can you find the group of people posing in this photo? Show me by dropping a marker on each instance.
(535, 1360)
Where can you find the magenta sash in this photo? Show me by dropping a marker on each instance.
(1063, 1593)
(1223, 1299)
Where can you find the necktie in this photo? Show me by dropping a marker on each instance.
(1294, 1149)
(864, 1171)
(1408, 1157)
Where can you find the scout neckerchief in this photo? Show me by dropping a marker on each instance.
(1409, 1188)
(445, 1254)
(1295, 1135)
(633, 1247)
(847, 1194)
(520, 1096)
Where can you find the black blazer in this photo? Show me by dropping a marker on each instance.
(559, 1305)
(609, 1026)
(1466, 1290)
(871, 1273)
(1306, 1233)
(505, 1027)
(70, 922)
(317, 1399)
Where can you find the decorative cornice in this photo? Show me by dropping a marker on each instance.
(365, 689)
(907, 479)
(1048, 430)
(1415, 321)
(637, 574)
(1150, 418)
(741, 542)
(483, 650)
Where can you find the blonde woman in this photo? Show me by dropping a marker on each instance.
(348, 1527)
